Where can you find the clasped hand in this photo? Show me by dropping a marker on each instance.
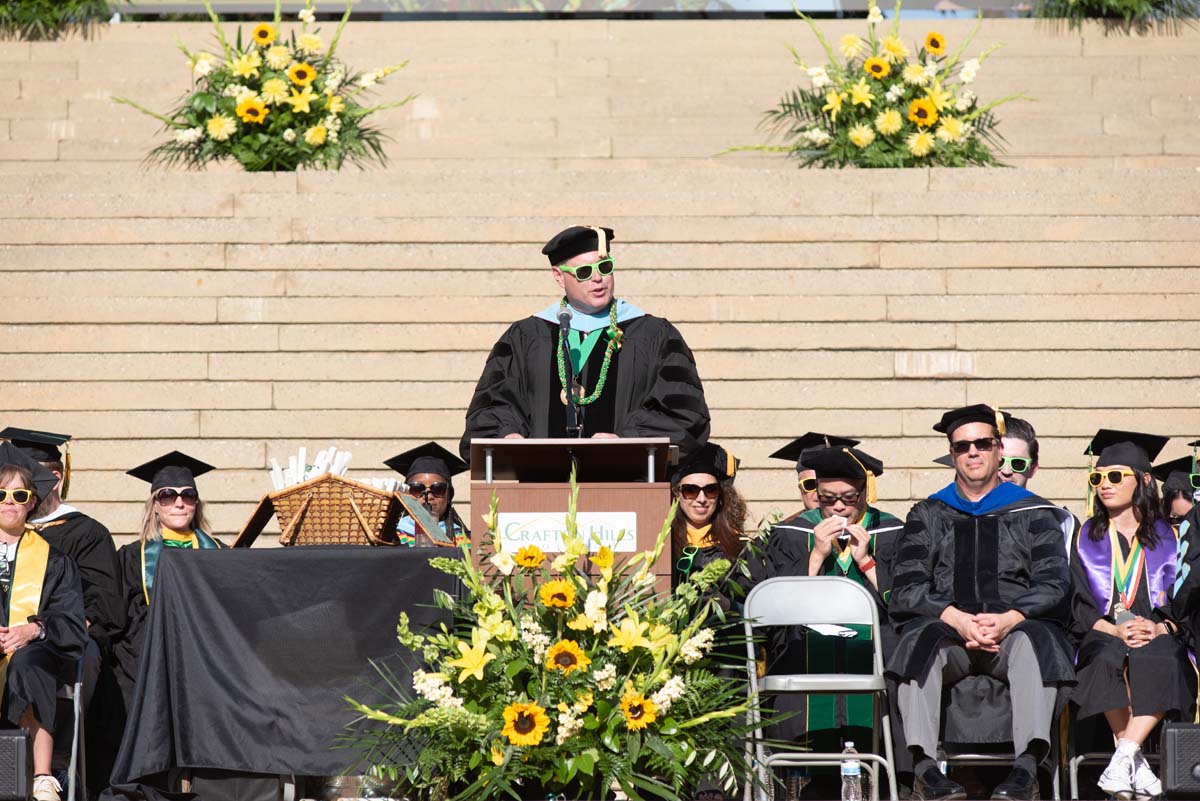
(14, 637)
(1139, 631)
(982, 632)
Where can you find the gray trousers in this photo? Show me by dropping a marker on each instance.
(1016, 664)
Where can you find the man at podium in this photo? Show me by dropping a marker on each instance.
(630, 373)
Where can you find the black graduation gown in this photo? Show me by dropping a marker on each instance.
(89, 543)
(1185, 596)
(1012, 558)
(36, 671)
(1161, 677)
(657, 391)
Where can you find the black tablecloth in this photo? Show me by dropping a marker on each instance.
(249, 653)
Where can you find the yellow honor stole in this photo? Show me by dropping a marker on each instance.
(25, 593)
(699, 536)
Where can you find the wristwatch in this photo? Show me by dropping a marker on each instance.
(41, 635)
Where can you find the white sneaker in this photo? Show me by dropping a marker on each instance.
(1145, 783)
(46, 788)
(1117, 778)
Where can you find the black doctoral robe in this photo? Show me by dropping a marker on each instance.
(36, 671)
(89, 543)
(653, 389)
(1014, 557)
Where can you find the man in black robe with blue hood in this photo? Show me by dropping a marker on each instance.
(981, 587)
(630, 373)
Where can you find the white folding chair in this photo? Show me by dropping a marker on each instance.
(78, 765)
(809, 600)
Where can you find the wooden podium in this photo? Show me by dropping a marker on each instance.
(622, 487)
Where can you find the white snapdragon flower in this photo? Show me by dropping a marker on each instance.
(697, 645)
(895, 93)
(605, 678)
(819, 77)
(568, 727)
(203, 64)
(289, 136)
(503, 561)
(817, 136)
(307, 15)
(189, 136)
(874, 15)
(668, 694)
(970, 69)
(964, 101)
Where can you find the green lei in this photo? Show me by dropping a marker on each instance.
(614, 344)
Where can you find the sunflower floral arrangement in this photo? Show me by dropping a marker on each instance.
(274, 103)
(565, 677)
(879, 106)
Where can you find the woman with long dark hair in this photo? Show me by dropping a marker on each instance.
(712, 514)
(1132, 665)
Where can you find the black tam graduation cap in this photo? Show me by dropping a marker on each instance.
(43, 479)
(43, 446)
(977, 413)
(711, 459)
(1132, 448)
(794, 451)
(174, 469)
(945, 460)
(846, 463)
(427, 458)
(1175, 474)
(570, 242)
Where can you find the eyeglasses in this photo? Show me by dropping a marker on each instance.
(964, 445)
(19, 496)
(1017, 464)
(808, 485)
(167, 496)
(684, 565)
(1097, 477)
(848, 498)
(691, 492)
(583, 272)
(438, 489)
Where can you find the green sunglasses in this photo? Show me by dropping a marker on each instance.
(583, 272)
(1017, 464)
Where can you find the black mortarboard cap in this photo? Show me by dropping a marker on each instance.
(710, 458)
(977, 413)
(173, 469)
(40, 445)
(1132, 448)
(842, 462)
(1175, 474)
(427, 458)
(43, 479)
(945, 460)
(570, 242)
(794, 450)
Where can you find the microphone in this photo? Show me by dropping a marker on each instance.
(564, 317)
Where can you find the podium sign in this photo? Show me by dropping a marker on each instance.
(624, 495)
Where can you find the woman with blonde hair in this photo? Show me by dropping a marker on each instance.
(173, 518)
(42, 632)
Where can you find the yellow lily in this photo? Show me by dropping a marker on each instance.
(299, 101)
(630, 634)
(474, 657)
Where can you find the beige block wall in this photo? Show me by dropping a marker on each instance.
(238, 317)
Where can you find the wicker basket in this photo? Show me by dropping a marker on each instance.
(327, 510)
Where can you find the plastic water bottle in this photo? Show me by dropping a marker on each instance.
(851, 775)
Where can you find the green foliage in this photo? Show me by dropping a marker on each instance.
(50, 19)
(1139, 15)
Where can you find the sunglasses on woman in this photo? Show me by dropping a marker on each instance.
(1097, 477)
(691, 492)
(18, 496)
(167, 496)
(1016, 464)
(438, 489)
(583, 272)
(964, 445)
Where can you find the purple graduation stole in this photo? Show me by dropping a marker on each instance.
(1097, 557)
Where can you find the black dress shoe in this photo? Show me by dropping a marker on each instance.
(1020, 785)
(933, 785)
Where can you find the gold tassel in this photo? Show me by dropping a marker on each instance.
(872, 496)
(731, 464)
(1087, 512)
(66, 482)
(602, 245)
(1000, 426)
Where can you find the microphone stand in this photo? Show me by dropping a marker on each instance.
(574, 412)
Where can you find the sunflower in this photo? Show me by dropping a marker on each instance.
(252, 110)
(935, 43)
(525, 724)
(530, 557)
(301, 74)
(263, 34)
(639, 711)
(922, 113)
(877, 67)
(558, 594)
(565, 655)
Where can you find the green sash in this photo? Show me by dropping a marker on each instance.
(152, 550)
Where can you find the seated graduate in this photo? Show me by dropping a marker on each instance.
(428, 471)
(1180, 482)
(173, 518)
(806, 477)
(981, 586)
(841, 537)
(1132, 663)
(711, 519)
(43, 632)
(80, 537)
